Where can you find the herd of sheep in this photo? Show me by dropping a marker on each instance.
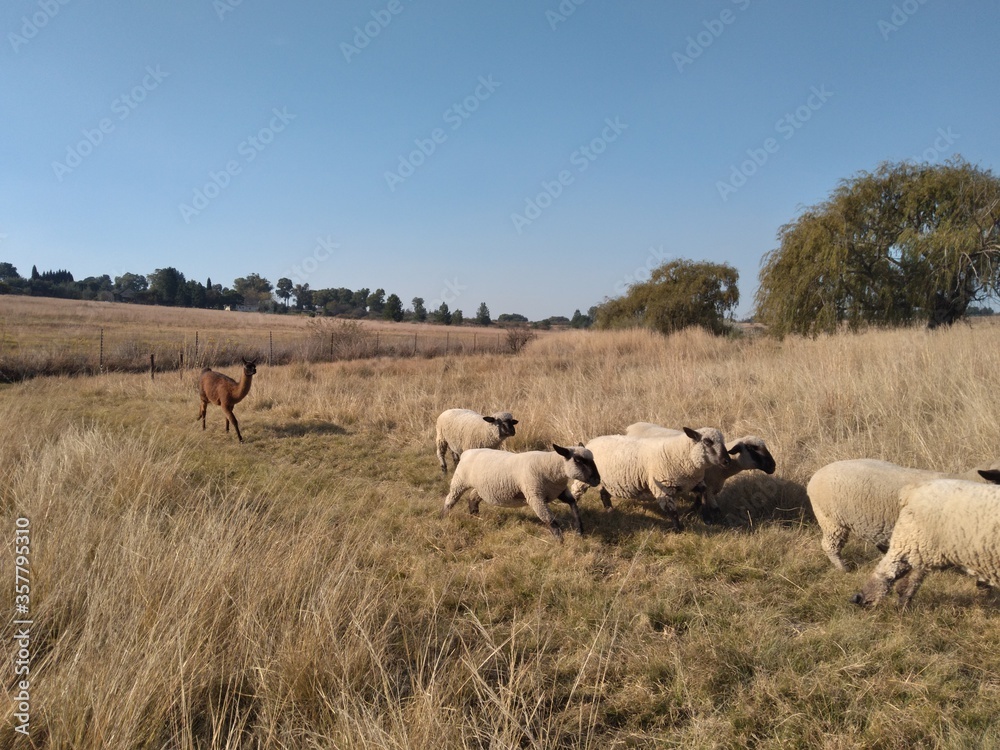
(921, 520)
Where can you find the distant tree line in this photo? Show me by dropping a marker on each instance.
(168, 286)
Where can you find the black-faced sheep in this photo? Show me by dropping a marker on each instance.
(459, 430)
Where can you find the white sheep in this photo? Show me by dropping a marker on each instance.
(657, 468)
(534, 478)
(944, 523)
(861, 496)
(459, 430)
(749, 452)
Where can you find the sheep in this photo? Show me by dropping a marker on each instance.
(657, 467)
(459, 430)
(533, 478)
(862, 496)
(216, 388)
(943, 523)
(750, 452)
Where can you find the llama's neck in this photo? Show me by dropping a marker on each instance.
(243, 387)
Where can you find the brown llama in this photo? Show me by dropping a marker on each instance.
(222, 390)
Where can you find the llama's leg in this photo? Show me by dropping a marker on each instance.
(202, 411)
(230, 417)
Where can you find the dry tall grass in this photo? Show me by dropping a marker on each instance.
(300, 591)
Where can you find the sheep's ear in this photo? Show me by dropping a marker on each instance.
(693, 434)
(990, 475)
(736, 449)
(513, 421)
(564, 452)
(581, 445)
(491, 420)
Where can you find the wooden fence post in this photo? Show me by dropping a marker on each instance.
(414, 344)
(195, 346)
(376, 343)
(152, 367)
(100, 359)
(447, 337)
(270, 348)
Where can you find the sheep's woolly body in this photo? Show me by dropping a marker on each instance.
(652, 468)
(459, 430)
(861, 496)
(533, 478)
(944, 523)
(757, 457)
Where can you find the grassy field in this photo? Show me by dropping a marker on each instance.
(300, 591)
(47, 336)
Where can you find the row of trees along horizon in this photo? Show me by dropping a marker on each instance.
(168, 286)
(902, 244)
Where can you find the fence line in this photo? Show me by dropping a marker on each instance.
(122, 350)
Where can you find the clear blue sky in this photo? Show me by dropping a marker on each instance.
(182, 97)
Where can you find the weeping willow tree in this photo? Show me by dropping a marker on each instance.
(679, 293)
(906, 242)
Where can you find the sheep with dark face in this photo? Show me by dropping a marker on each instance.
(943, 523)
(460, 430)
(657, 468)
(534, 478)
(861, 497)
(748, 453)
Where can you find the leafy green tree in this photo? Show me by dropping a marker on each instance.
(284, 289)
(393, 309)
(579, 320)
(8, 272)
(483, 315)
(903, 243)
(303, 297)
(253, 288)
(359, 300)
(419, 311)
(442, 316)
(165, 285)
(129, 286)
(376, 301)
(679, 293)
(457, 318)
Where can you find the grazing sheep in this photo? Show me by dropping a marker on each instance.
(459, 430)
(944, 523)
(861, 496)
(533, 478)
(657, 467)
(216, 388)
(750, 452)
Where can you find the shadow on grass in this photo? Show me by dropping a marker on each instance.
(303, 428)
(758, 499)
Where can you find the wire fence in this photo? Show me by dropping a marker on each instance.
(119, 349)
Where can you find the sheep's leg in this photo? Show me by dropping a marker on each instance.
(606, 500)
(886, 573)
(832, 543)
(474, 500)
(567, 497)
(441, 447)
(908, 584)
(230, 417)
(457, 489)
(666, 501)
(537, 504)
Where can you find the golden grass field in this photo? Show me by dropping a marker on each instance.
(43, 335)
(300, 590)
